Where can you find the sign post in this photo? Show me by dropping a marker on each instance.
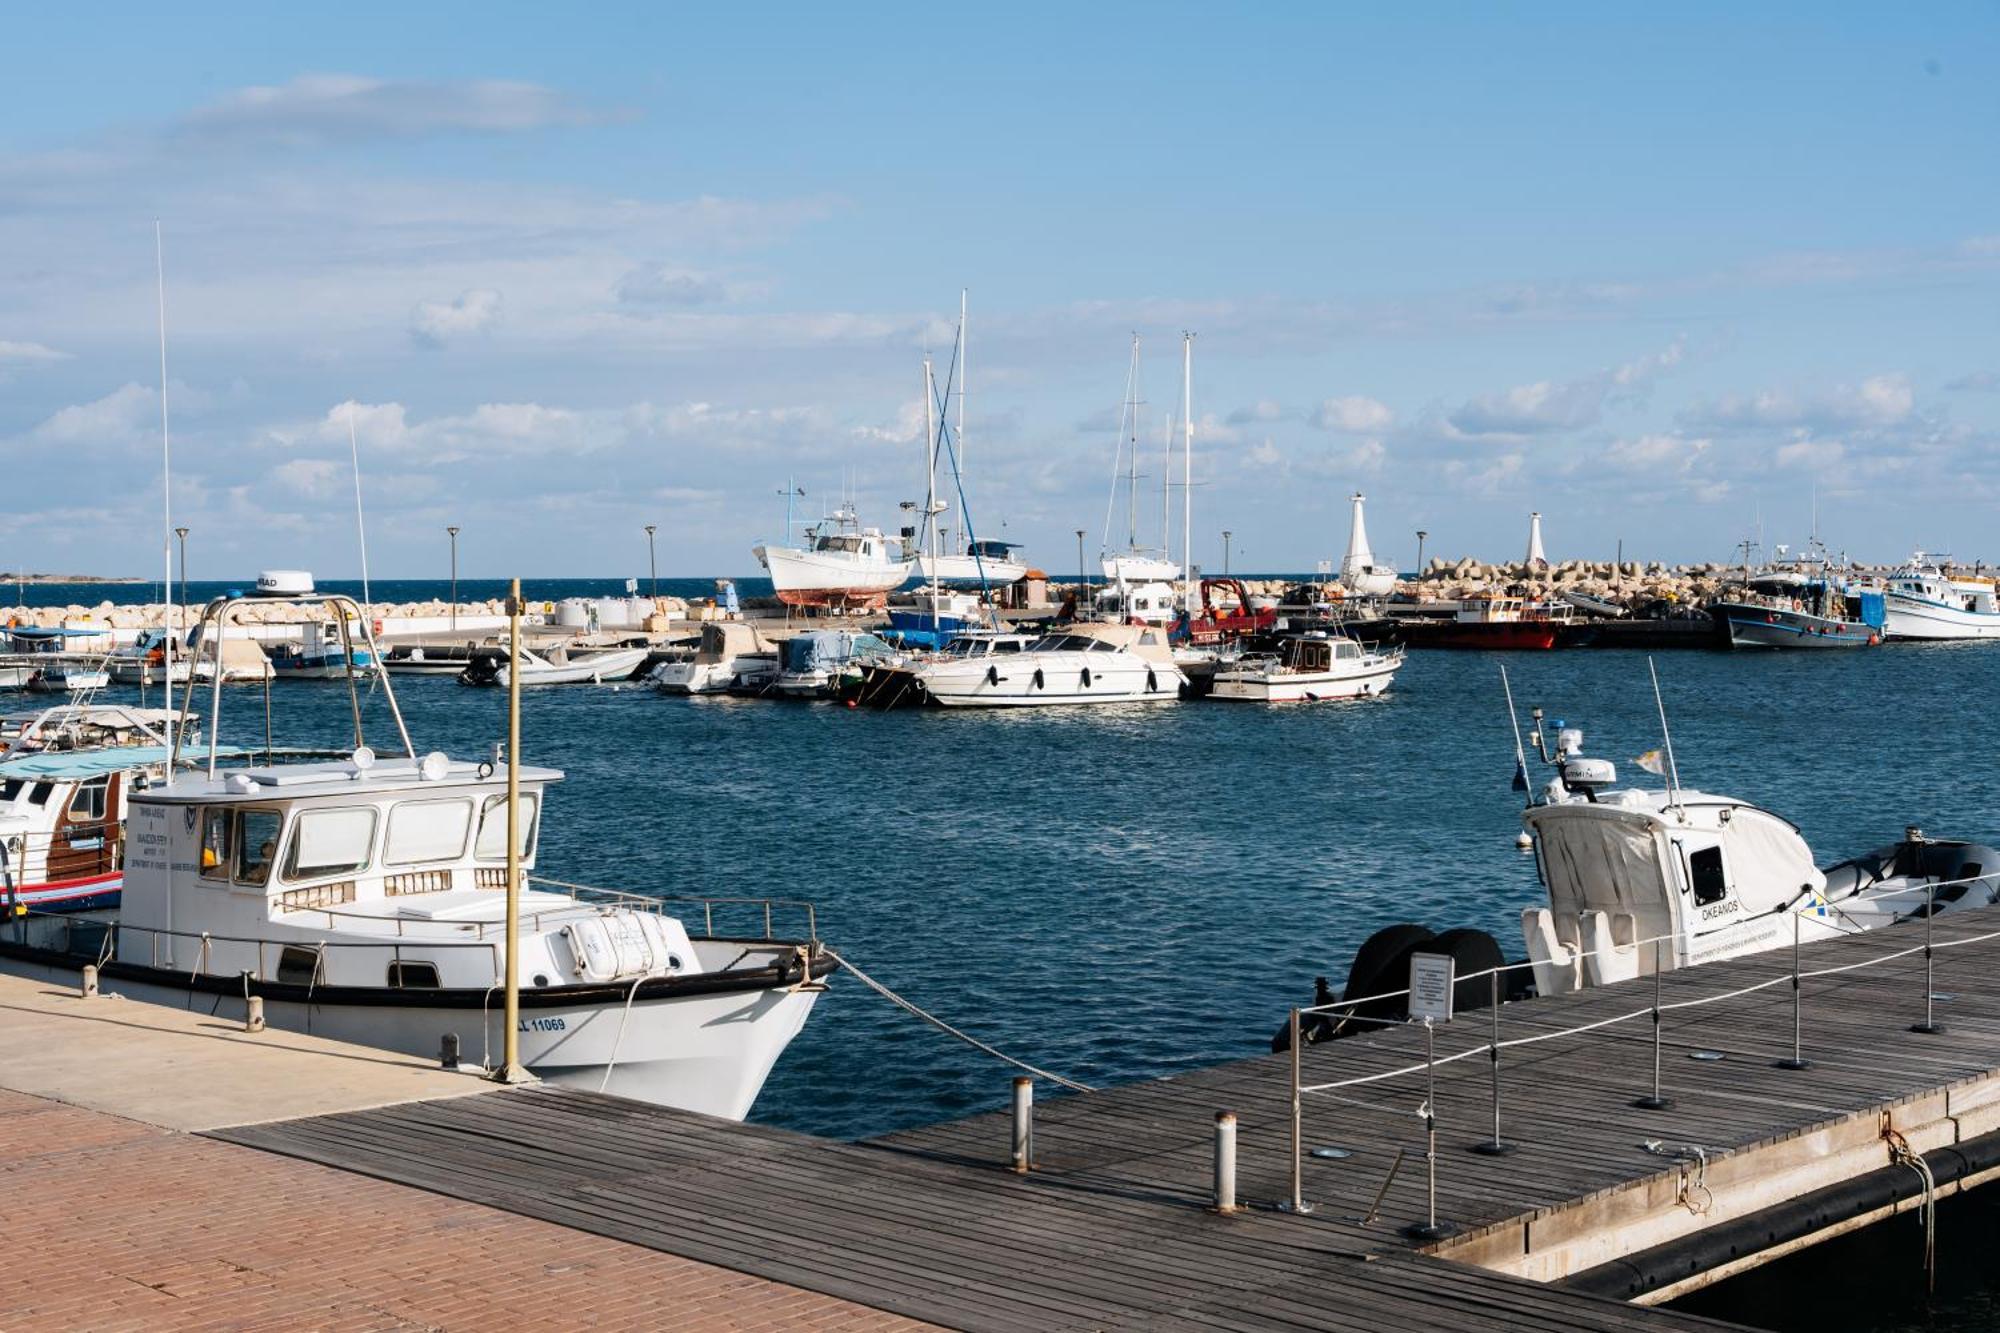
(1432, 980)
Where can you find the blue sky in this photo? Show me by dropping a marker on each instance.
(1661, 277)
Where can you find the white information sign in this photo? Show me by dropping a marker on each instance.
(1431, 984)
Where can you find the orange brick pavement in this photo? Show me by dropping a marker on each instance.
(108, 1224)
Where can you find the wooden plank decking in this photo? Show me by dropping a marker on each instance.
(1111, 1229)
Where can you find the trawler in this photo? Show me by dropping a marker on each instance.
(366, 899)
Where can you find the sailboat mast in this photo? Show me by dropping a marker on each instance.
(929, 517)
(959, 459)
(360, 524)
(1132, 453)
(1187, 472)
(166, 506)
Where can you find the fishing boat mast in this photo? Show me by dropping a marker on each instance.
(1187, 472)
(166, 508)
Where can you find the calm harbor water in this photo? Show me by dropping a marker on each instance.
(1119, 893)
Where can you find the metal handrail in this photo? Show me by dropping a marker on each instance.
(112, 929)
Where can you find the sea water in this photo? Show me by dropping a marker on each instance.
(1117, 893)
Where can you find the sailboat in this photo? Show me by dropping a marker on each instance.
(1147, 585)
(985, 562)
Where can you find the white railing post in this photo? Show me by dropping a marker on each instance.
(1653, 1101)
(1495, 1146)
(1796, 1060)
(1225, 1161)
(1024, 1124)
(1930, 1026)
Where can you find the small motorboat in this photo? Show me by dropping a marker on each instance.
(732, 655)
(1307, 668)
(322, 652)
(559, 666)
(145, 662)
(815, 664)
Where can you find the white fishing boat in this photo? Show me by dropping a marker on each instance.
(366, 900)
(144, 662)
(846, 566)
(732, 655)
(1083, 664)
(321, 652)
(561, 665)
(1708, 877)
(1922, 602)
(1308, 668)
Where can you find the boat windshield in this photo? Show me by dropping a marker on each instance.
(1070, 643)
(839, 542)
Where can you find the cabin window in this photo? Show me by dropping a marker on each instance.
(296, 966)
(10, 789)
(413, 976)
(1705, 870)
(492, 844)
(331, 842)
(426, 831)
(257, 845)
(216, 827)
(40, 792)
(87, 803)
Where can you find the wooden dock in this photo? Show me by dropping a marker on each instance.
(1113, 1227)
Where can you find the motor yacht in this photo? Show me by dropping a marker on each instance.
(1308, 668)
(1921, 602)
(1081, 664)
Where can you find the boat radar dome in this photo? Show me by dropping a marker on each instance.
(284, 583)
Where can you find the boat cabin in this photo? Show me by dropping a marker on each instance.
(1316, 653)
(357, 872)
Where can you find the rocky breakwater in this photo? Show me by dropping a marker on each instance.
(1633, 584)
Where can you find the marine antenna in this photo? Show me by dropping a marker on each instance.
(1673, 773)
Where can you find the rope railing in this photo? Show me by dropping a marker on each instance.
(1795, 976)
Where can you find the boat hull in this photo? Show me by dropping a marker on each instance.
(1301, 687)
(1750, 626)
(808, 578)
(1920, 618)
(1511, 636)
(1057, 679)
(700, 1052)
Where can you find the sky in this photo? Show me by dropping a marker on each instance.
(1671, 279)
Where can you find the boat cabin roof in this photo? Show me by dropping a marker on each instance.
(343, 777)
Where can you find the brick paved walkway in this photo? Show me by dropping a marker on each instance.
(109, 1224)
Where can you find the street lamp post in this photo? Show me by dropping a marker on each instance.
(1421, 534)
(452, 532)
(652, 565)
(1225, 552)
(182, 533)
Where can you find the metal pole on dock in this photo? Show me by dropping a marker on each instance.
(1494, 1147)
(1797, 1059)
(510, 1062)
(1654, 1101)
(1430, 1228)
(1225, 1161)
(1298, 1201)
(1930, 1026)
(1024, 1124)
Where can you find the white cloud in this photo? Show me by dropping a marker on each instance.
(1810, 454)
(664, 285)
(1548, 406)
(1262, 410)
(1354, 414)
(1657, 452)
(317, 109)
(26, 353)
(311, 477)
(436, 322)
(1878, 401)
(113, 419)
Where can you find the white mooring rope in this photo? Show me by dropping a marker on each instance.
(943, 1026)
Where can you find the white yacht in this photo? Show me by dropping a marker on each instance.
(846, 567)
(991, 563)
(365, 900)
(732, 655)
(1922, 602)
(1082, 664)
(144, 662)
(1710, 876)
(1143, 602)
(560, 665)
(321, 652)
(1307, 668)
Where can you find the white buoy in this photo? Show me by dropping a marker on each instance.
(1525, 841)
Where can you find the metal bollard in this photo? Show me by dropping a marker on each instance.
(1225, 1161)
(89, 986)
(1930, 1026)
(1430, 1228)
(1024, 1124)
(1797, 1059)
(253, 1014)
(1494, 1147)
(448, 1051)
(1654, 1101)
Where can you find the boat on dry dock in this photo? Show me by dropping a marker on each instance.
(366, 899)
